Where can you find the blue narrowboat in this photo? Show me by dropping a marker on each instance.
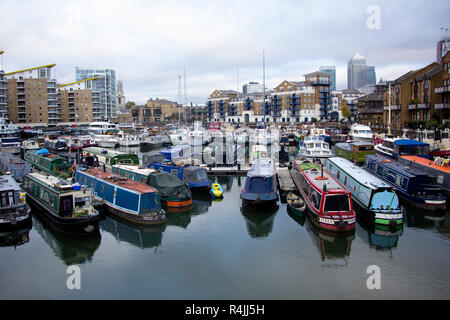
(376, 199)
(415, 187)
(123, 198)
(260, 188)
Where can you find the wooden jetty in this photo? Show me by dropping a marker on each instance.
(285, 183)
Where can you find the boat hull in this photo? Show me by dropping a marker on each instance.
(139, 219)
(258, 203)
(69, 226)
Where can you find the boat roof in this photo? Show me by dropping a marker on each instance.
(403, 169)
(49, 156)
(409, 142)
(262, 167)
(313, 171)
(426, 162)
(360, 126)
(120, 181)
(52, 181)
(140, 170)
(359, 174)
(7, 182)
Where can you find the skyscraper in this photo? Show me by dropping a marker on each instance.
(107, 86)
(331, 70)
(358, 73)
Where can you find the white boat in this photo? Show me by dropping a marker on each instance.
(30, 145)
(315, 148)
(10, 144)
(101, 128)
(198, 136)
(106, 140)
(128, 140)
(394, 147)
(178, 137)
(361, 133)
(156, 140)
(7, 129)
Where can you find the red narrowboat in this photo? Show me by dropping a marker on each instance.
(329, 202)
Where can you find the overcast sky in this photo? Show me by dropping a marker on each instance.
(149, 43)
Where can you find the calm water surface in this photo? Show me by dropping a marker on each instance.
(219, 251)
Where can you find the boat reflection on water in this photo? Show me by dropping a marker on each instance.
(423, 220)
(259, 222)
(225, 181)
(141, 236)
(297, 217)
(71, 249)
(14, 238)
(200, 205)
(378, 236)
(333, 247)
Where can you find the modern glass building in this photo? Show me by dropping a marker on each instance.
(107, 87)
(358, 73)
(331, 70)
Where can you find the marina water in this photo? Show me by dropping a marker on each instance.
(220, 251)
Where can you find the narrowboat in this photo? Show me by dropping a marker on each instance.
(108, 158)
(14, 212)
(355, 151)
(260, 189)
(415, 187)
(377, 199)
(175, 195)
(329, 202)
(196, 177)
(123, 198)
(48, 163)
(393, 148)
(438, 168)
(14, 165)
(67, 207)
(259, 222)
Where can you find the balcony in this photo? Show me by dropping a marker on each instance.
(393, 107)
(419, 106)
(442, 106)
(442, 89)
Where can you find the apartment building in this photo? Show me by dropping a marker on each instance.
(441, 87)
(399, 95)
(155, 111)
(320, 81)
(3, 94)
(32, 98)
(107, 86)
(77, 101)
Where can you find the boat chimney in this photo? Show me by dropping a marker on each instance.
(325, 187)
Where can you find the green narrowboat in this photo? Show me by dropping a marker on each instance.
(49, 163)
(67, 207)
(354, 151)
(109, 157)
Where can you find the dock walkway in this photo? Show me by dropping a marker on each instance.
(285, 182)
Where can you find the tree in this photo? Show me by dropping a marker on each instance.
(130, 104)
(345, 110)
(313, 120)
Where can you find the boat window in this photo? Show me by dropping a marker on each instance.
(337, 203)
(6, 197)
(365, 148)
(202, 175)
(315, 198)
(174, 171)
(338, 175)
(83, 202)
